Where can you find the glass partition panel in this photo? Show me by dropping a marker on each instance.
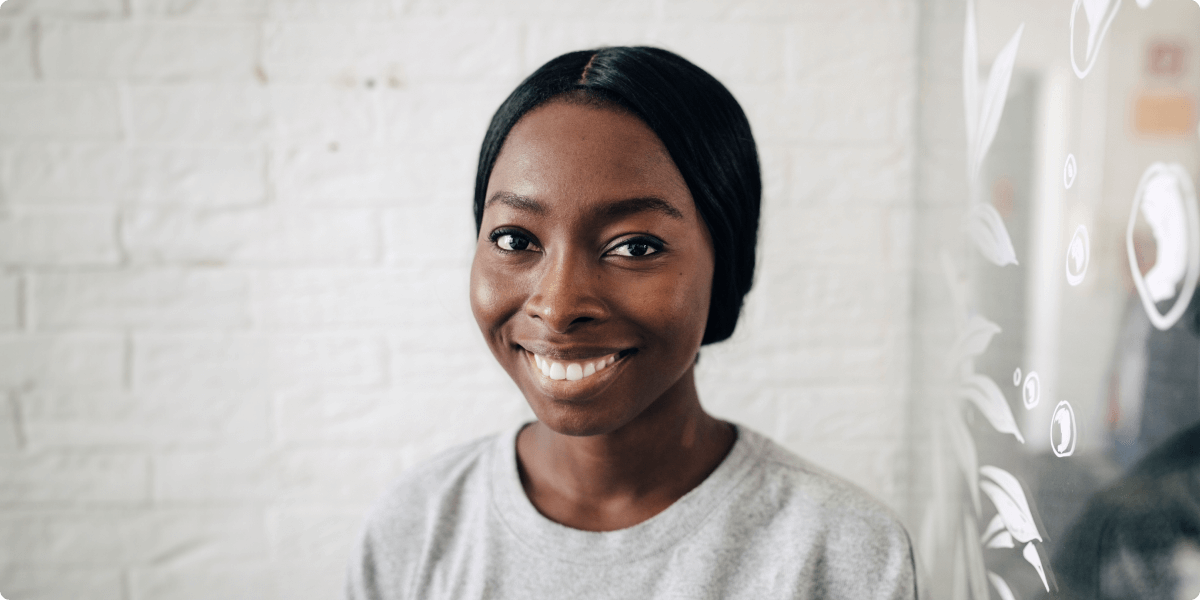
(1057, 378)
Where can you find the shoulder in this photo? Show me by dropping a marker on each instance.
(858, 543)
(803, 486)
(434, 486)
(420, 513)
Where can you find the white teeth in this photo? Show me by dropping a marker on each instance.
(570, 371)
(574, 372)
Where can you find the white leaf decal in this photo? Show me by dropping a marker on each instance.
(994, 526)
(987, 397)
(973, 340)
(987, 230)
(1031, 554)
(996, 536)
(1002, 540)
(994, 97)
(1001, 586)
(964, 451)
(1008, 496)
(983, 113)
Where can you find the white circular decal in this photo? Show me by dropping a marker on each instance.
(1069, 171)
(1017, 376)
(1032, 391)
(1166, 201)
(1078, 254)
(1062, 429)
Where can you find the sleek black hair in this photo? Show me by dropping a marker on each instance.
(698, 121)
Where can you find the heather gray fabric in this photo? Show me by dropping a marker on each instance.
(765, 524)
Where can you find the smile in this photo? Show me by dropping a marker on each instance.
(575, 370)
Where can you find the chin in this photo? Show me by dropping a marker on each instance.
(577, 419)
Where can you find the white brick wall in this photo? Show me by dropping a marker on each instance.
(234, 245)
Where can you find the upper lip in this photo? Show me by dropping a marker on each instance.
(570, 353)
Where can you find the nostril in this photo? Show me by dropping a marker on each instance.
(582, 320)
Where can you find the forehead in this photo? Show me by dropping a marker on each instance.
(567, 150)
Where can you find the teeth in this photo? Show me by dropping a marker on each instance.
(572, 371)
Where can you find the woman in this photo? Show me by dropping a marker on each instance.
(617, 203)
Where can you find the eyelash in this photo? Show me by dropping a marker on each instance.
(653, 244)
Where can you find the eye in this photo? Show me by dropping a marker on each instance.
(637, 247)
(511, 241)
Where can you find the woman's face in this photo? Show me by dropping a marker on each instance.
(593, 270)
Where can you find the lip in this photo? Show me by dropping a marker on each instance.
(576, 389)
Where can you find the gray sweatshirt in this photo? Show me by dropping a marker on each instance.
(765, 524)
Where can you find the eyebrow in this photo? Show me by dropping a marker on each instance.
(517, 201)
(613, 210)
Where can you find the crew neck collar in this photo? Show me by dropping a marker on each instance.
(566, 544)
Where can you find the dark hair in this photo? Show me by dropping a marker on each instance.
(702, 127)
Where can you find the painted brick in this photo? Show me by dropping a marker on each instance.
(203, 583)
(143, 298)
(346, 10)
(321, 114)
(439, 116)
(352, 174)
(157, 51)
(414, 417)
(10, 302)
(430, 234)
(56, 478)
(10, 435)
(332, 298)
(851, 51)
(149, 420)
(730, 52)
(62, 361)
(16, 50)
(317, 535)
(828, 112)
(92, 173)
(219, 362)
(310, 580)
(204, 9)
(401, 53)
(536, 9)
(199, 113)
(859, 175)
(896, 11)
(62, 111)
(252, 236)
(849, 236)
(73, 8)
(61, 583)
(130, 537)
(292, 476)
(59, 237)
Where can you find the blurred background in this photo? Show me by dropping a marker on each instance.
(235, 238)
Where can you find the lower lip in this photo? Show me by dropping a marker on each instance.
(580, 389)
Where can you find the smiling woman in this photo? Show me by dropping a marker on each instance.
(617, 203)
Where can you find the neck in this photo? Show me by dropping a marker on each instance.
(620, 478)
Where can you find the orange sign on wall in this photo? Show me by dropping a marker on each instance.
(1164, 114)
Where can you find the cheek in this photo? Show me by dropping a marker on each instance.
(492, 297)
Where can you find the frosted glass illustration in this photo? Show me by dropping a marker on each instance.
(1058, 381)
(1079, 253)
(983, 109)
(1098, 15)
(1166, 199)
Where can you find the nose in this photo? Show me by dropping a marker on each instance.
(566, 293)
